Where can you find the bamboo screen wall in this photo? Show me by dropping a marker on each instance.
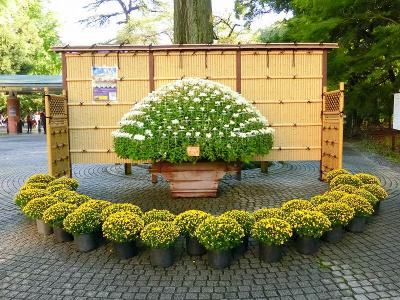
(285, 83)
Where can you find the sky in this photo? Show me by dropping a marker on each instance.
(69, 12)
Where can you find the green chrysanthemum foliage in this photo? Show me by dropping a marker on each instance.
(337, 195)
(272, 231)
(72, 182)
(219, 233)
(189, 220)
(378, 191)
(158, 215)
(345, 179)
(82, 220)
(319, 199)
(160, 234)
(309, 223)
(42, 178)
(56, 213)
(71, 197)
(122, 226)
(332, 174)
(34, 185)
(117, 207)
(267, 213)
(193, 111)
(347, 188)
(35, 208)
(24, 196)
(361, 206)
(97, 205)
(368, 178)
(338, 213)
(244, 218)
(58, 187)
(367, 195)
(296, 204)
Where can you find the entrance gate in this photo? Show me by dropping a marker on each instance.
(59, 163)
(332, 130)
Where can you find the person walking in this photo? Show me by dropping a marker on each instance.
(29, 123)
(37, 120)
(43, 121)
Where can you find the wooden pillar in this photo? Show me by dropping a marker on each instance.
(154, 178)
(264, 167)
(49, 133)
(128, 168)
(13, 113)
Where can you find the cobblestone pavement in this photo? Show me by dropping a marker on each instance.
(362, 266)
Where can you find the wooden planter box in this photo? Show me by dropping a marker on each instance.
(194, 180)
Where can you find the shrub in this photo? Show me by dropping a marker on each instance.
(24, 196)
(244, 218)
(72, 182)
(367, 195)
(35, 208)
(71, 197)
(42, 178)
(34, 185)
(308, 223)
(336, 194)
(266, 213)
(296, 204)
(56, 213)
(58, 187)
(272, 231)
(189, 220)
(97, 205)
(332, 174)
(319, 199)
(158, 215)
(361, 206)
(122, 226)
(219, 233)
(368, 178)
(193, 111)
(117, 207)
(82, 220)
(347, 188)
(339, 214)
(345, 179)
(378, 191)
(160, 234)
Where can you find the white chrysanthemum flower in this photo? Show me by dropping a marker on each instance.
(196, 100)
(202, 94)
(175, 121)
(120, 134)
(188, 134)
(197, 134)
(139, 137)
(208, 135)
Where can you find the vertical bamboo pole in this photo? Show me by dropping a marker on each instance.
(340, 129)
(128, 168)
(48, 132)
(321, 168)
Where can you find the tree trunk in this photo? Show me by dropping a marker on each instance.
(193, 22)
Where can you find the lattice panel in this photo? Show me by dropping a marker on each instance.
(57, 106)
(332, 101)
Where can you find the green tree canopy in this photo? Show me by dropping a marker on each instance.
(368, 33)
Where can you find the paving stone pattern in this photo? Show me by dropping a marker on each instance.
(362, 266)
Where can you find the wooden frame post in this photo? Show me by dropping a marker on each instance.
(128, 168)
(48, 133)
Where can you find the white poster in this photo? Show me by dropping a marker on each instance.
(396, 112)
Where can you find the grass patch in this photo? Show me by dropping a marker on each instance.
(376, 147)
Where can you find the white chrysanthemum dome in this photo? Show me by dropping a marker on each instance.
(189, 112)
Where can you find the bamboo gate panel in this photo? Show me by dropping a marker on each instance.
(284, 82)
(59, 163)
(332, 130)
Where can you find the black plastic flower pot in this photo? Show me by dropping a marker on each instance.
(357, 225)
(219, 259)
(43, 228)
(242, 247)
(126, 250)
(162, 257)
(307, 245)
(334, 235)
(86, 242)
(194, 248)
(377, 208)
(61, 235)
(270, 253)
